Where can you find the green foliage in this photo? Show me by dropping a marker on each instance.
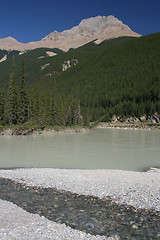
(74, 113)
(23, 101)
(2, 104)
(119, 76)
(13, 104)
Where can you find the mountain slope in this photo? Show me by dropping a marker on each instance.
(96, 28)
(128, 70)
(119, 76)
(36, 59)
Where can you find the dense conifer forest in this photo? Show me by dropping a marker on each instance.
(118, 77)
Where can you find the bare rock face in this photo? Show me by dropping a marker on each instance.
(95, 28)
(155, 118)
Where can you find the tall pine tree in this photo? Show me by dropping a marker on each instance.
(1, 104)
(23, 101)
(13, 117)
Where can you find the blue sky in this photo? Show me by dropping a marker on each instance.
(31, 20)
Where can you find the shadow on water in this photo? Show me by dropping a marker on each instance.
(85, 213)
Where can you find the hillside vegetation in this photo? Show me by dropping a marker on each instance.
(123, 79)
(118, 77)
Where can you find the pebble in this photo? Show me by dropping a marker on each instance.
(133, 194)
(134, 227)
(139, 189)
(89, 214)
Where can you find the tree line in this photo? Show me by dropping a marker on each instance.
(40, 107)
(121, 80)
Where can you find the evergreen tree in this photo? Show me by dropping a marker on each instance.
(70, 115)
(30, 106)
(60, 117)
(86, 115)
(12, 100)
(53, 113)
(1, 104)
(76, 112)
(42, 109)
(23, 101)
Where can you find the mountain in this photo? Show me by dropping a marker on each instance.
(120, 76)
(36, 59)
(97, 28)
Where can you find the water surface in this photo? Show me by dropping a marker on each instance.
(99, 148)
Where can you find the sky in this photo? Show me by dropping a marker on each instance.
(31, 20)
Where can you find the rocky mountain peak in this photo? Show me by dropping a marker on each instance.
(8, 39)
(97, 28)
(52, 36)
(101, 22)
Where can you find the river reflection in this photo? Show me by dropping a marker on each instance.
(99, 148)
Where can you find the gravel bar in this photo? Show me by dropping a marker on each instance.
(17, 224)
(138, 189)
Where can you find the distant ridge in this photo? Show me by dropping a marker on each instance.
(97, 28)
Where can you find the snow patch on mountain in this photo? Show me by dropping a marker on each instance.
(51, 54)
(3, 59)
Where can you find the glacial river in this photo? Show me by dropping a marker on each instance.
(96, 149)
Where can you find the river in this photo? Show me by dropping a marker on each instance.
(124, 149)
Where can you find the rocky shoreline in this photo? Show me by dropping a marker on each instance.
(139, 189)
(83, 203)
(85, 213)
(143, 122)
(20, 131)
(123, 125)
(119, 125)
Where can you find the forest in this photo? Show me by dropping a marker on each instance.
(37, 108)
(118, 77)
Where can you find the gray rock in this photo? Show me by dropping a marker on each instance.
(139, 189)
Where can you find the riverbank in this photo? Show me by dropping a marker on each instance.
(19, 130)
(139, 189)
(110, 203)
(124, 125)
(18, 224)
(53, 130)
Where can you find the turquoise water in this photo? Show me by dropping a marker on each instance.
(99, 148)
